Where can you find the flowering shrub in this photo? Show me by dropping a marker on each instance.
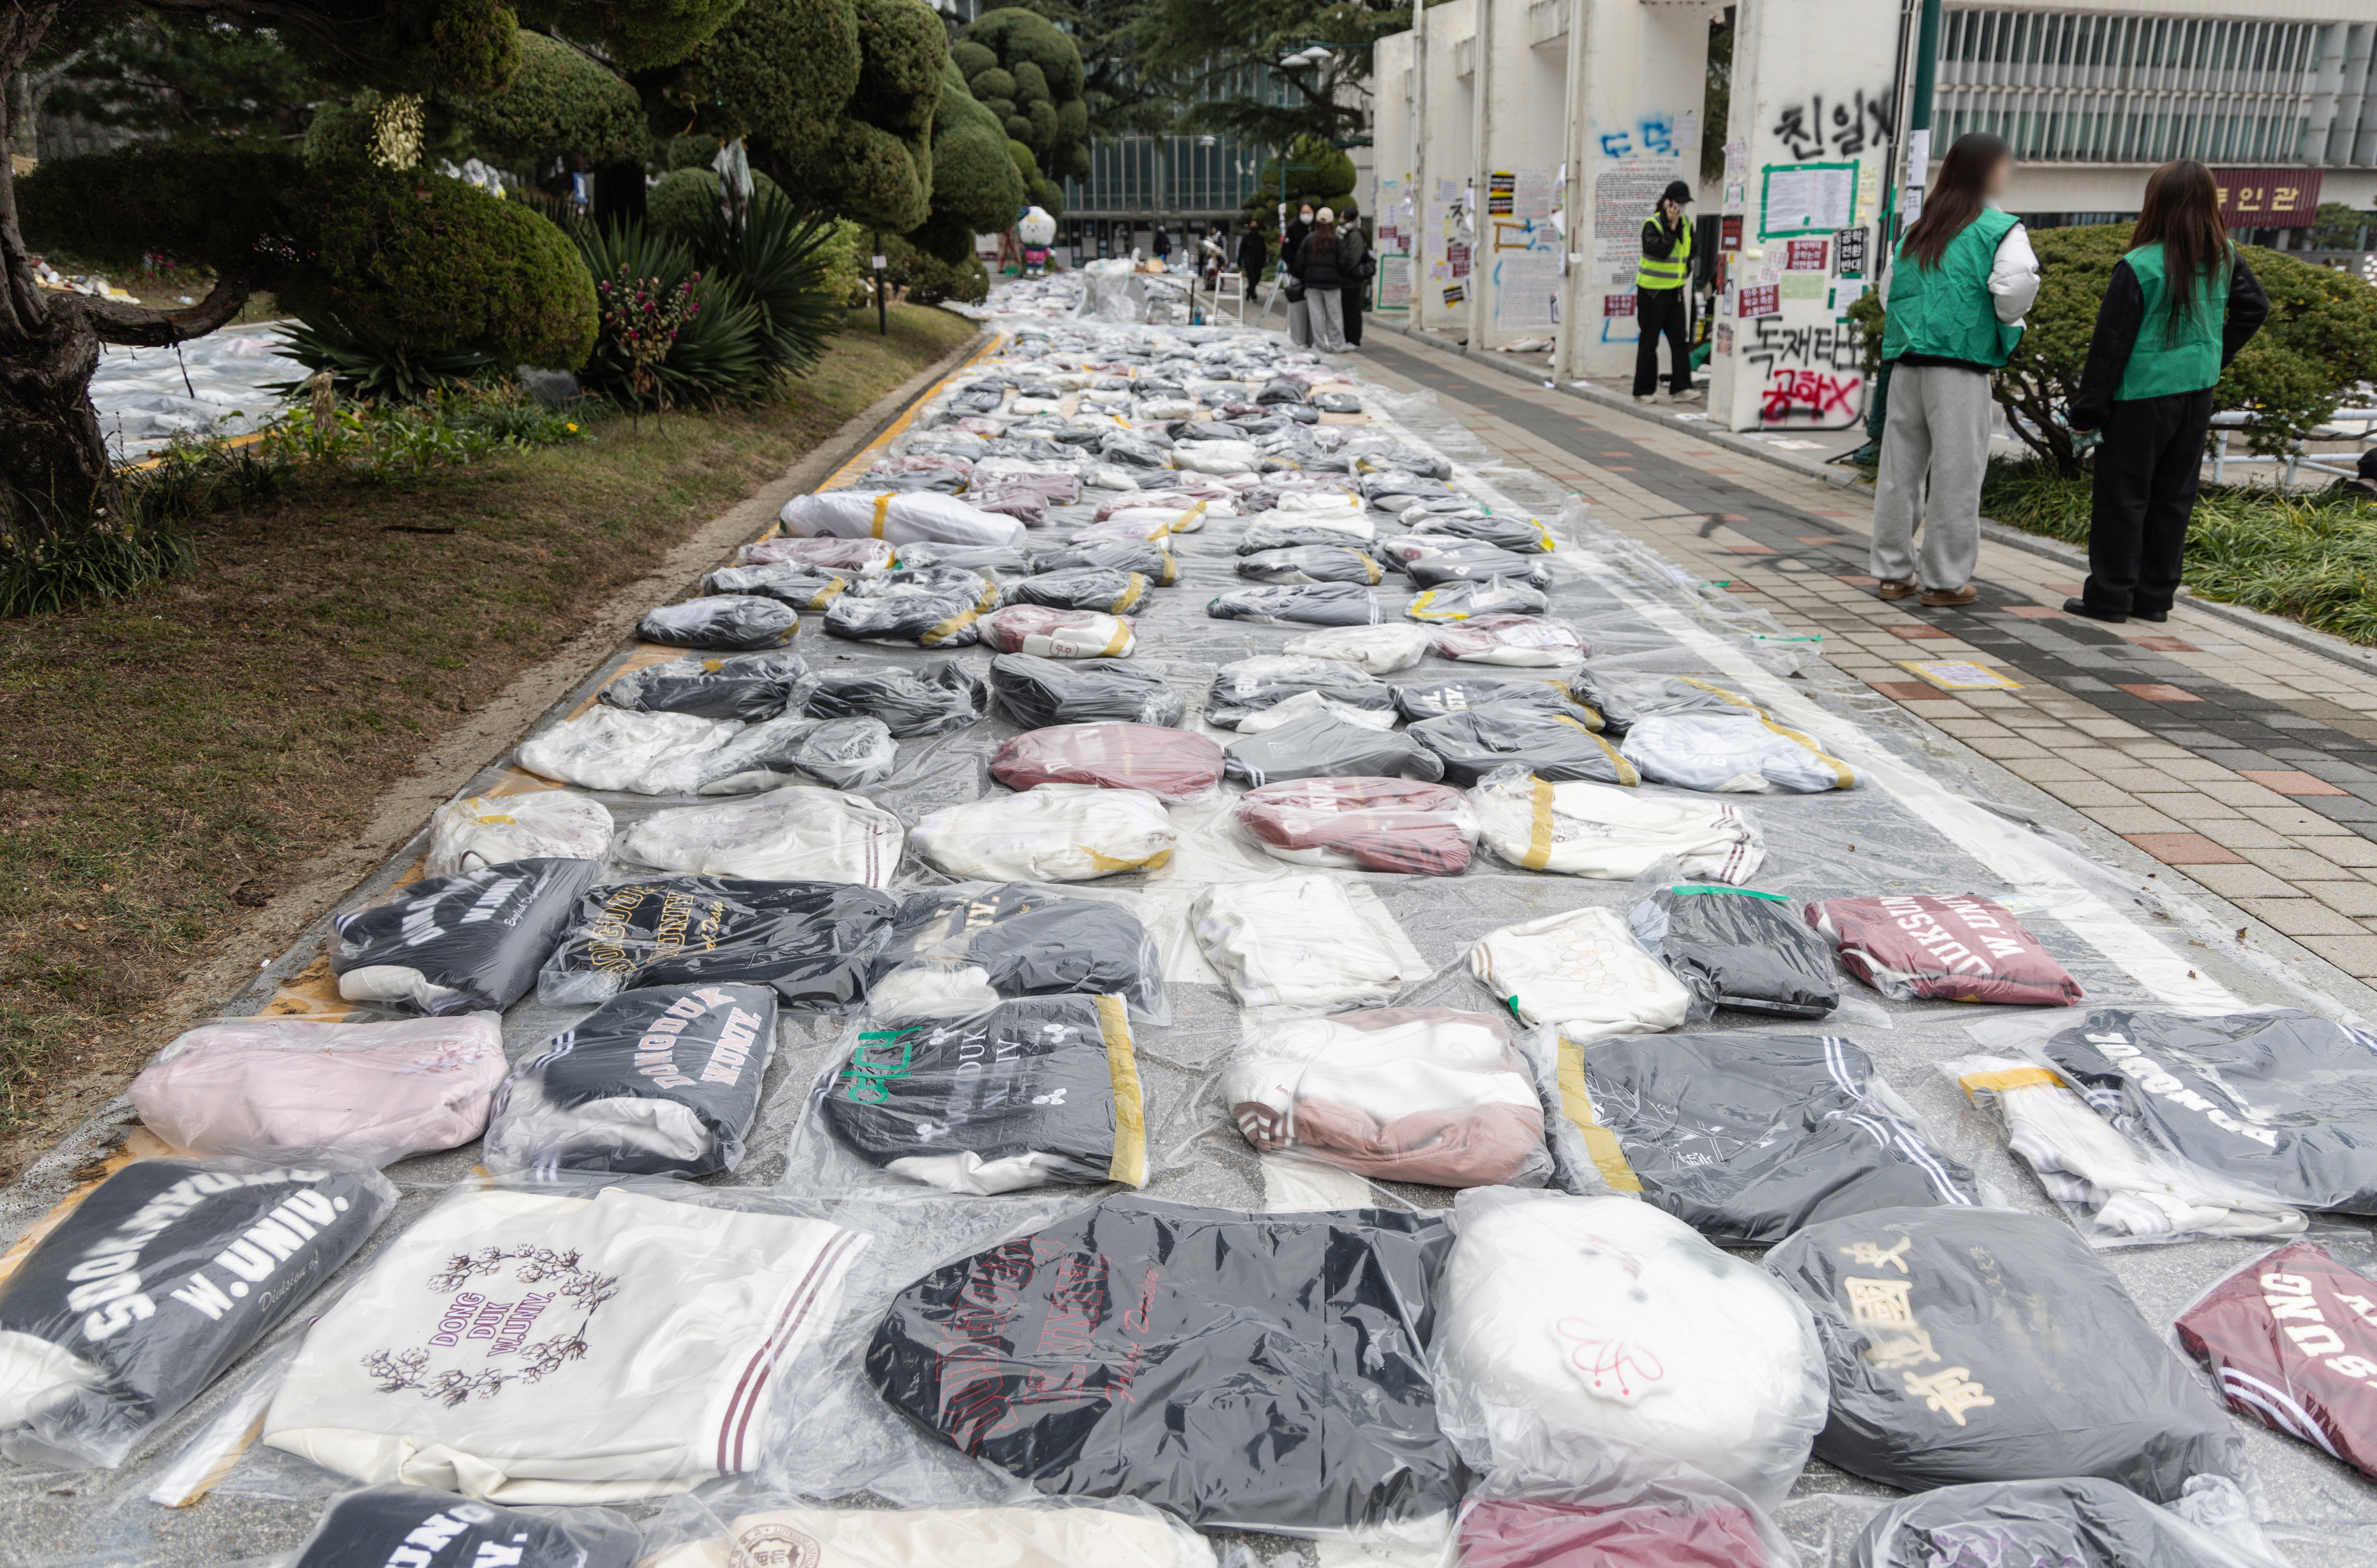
(644, 316)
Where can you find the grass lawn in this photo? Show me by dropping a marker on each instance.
(177, 755)
(2304, 557)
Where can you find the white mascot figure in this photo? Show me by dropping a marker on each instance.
(1038, 232)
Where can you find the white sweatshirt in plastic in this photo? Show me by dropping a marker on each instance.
(1294, 942)
(534, 1347)
(1581, 972)
(943, 1538)
(480, 831)
(1051, 833)
(1378, 649)
(921, 516)
(1730, 751)
(1601, 830)
(796, 834)
(1605, 1319)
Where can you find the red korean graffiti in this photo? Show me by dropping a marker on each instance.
(1815, 375)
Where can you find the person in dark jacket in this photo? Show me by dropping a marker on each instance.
(1360, 267)
(2178, 308)
(1662, 297)
(1162, 243)
(1319, 266)
(1297, 230)
(1253, 256)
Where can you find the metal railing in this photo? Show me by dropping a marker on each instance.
(2345, 424)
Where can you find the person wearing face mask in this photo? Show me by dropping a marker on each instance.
(2176, 309)
(1963, 278)
(1320, 267)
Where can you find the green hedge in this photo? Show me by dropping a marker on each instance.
(560, 102)
(430, 261)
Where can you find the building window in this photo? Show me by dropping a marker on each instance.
(2099, 88)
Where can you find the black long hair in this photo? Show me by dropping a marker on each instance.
(1951, 205)
(2181, 212)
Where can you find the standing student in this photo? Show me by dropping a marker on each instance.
(1320, 265)
(1663, 299)
(1253, 256)
(1293, 238)
(1959, 286)
(2178, 308)
(1360, 267)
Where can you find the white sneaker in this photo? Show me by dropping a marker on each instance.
(1694, 395)
(1646, 396)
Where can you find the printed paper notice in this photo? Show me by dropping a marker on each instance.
(1526, 290)
(1808, 198)
(1531, 193)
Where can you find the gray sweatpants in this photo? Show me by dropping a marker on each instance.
(1328, 319)
(1938, 431)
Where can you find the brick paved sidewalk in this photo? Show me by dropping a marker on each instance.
(2247, 761)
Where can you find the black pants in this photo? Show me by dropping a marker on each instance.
(2147, 471)
(1658, 311)
(1352, 298)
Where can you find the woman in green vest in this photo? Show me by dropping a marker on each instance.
(1959, 286)
(2179, 305)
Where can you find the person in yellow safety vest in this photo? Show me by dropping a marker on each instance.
(1663, 298)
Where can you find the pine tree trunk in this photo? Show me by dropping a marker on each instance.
(55, 474)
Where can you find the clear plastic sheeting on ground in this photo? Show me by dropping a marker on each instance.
(1087, 439)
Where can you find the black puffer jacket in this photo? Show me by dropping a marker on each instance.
(1322, 262)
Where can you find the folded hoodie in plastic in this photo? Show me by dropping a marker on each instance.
(968, 1098)
(1036, 693)
(565, 1342)
(293, 1089)
(814, 942)
(941, 697)
(1977, 1344)
(1362, 823)
(798, 834)
(730, 623)
(2289, 1339)
(1238, 1371)
(2070, 1522)
(748, 1527)
(1396, 1094)
(153, 1284)
(411, 1526)
(1581, 828)
(911, 517)
(482, 830)
(1738, 948)
(746, 686)
(1530, 734)
(1056, 634)
(2282, 1102)
(1315, 604)
(1577, 1503)
(925, 606)
(1012, 940)
(1966, 949)
(658, 1081)
(1748, 1138)
(1325, 744)
(1251, 685)
(1297, 944)
(1582, 1321)
(1055, 832)
(791, 583)
(468, 943)
(679, 754)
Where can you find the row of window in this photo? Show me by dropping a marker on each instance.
(2129, 50)
(2081, 127)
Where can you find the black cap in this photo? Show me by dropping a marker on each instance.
(1676, 191)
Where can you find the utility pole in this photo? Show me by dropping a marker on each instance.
(1915, 150)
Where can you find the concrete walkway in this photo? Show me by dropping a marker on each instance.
(2240, 753)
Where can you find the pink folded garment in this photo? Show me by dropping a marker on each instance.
(356, 1094)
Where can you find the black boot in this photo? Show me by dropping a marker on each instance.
(2079, 607)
